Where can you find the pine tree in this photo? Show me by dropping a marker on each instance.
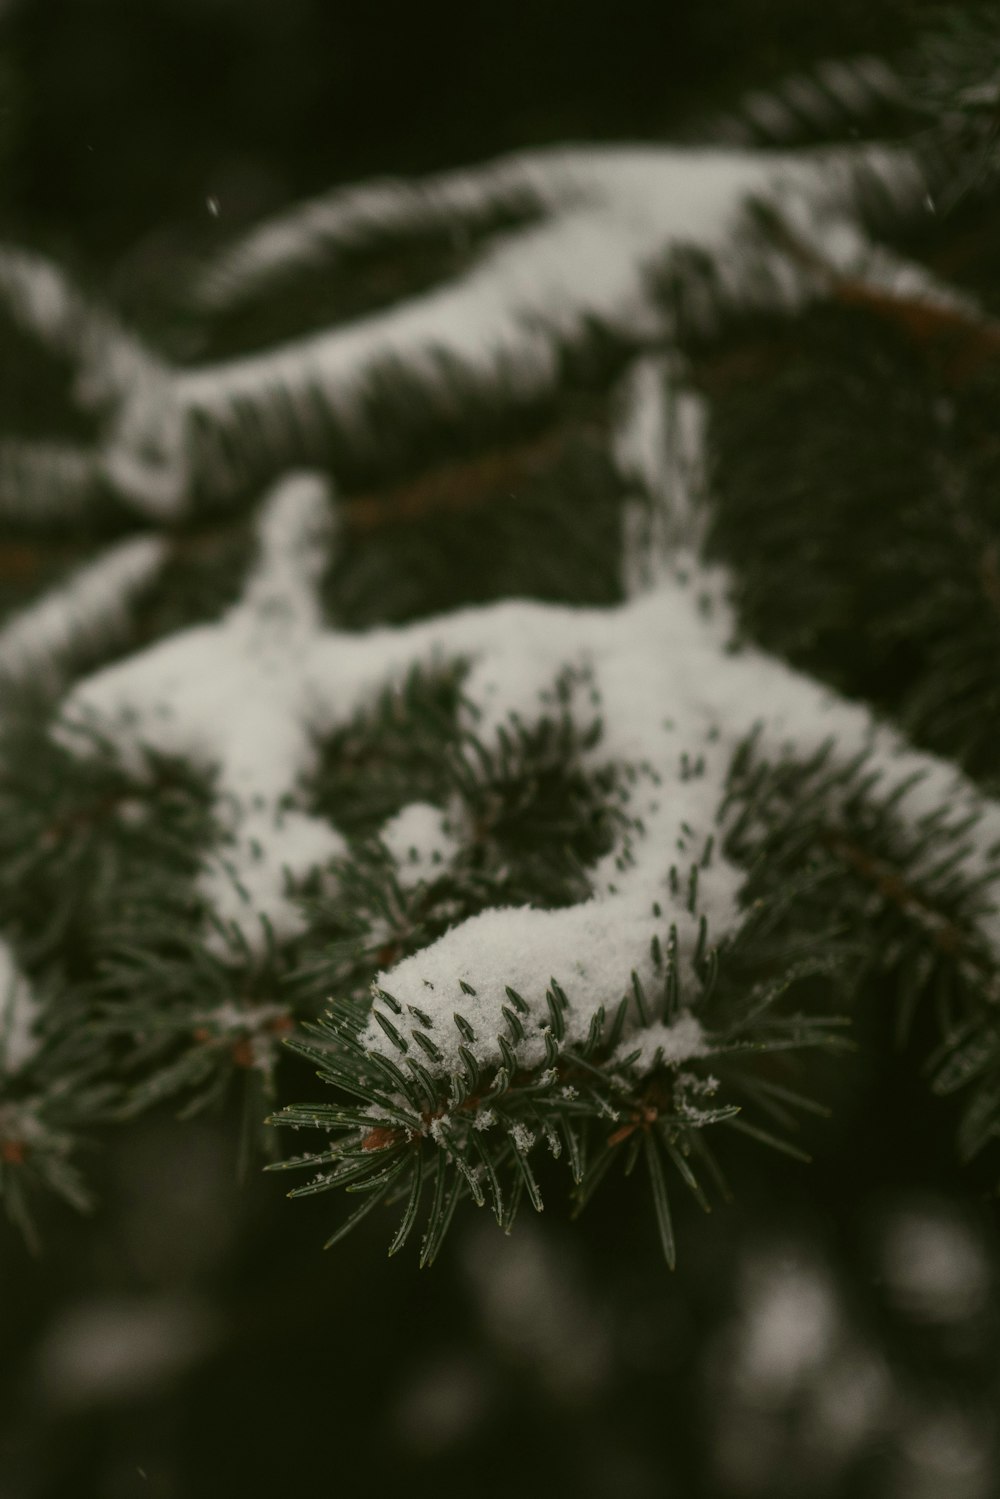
(499, 691)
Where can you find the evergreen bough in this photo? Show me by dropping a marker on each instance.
(584, 879)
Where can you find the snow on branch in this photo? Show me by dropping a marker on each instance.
(19, 1010)
(114, 373)
(86, 614)
(320, 231)
(658, 446)
(233, 698)
(46, 481)
(614, 226)
(108, 359)
(251, 698)
(831, 97)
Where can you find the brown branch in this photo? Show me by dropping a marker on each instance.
(461, 485)
(967, 341)
(21, 561)
(449, 487)
(18, 561)
(946, 935)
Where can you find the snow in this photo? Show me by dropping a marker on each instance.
(113, 371)
(90, 609)
(19, 1010)
(42, 481)
(41, 299)
(602, 229)
(658, 445)
(610, 221)
(251, 874)
(583, 947)
(248, 698)
(420, 843)
(666, 1045)
(229, 698)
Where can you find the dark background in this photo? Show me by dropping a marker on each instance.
(120, 119)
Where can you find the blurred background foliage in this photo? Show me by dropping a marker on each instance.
(830, 1335)
(120, 121)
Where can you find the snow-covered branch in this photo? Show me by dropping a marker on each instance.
(613, 226)
(250, 699)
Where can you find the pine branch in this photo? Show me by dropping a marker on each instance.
(474, 1131)
(573, 902)
(462, 341)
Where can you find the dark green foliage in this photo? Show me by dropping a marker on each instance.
(94, 860)
(204, 576)
(406, 1127)
(393, 754)
(100, 903)
(454, 494)
(474, 1134)
(828, 854)
(36, 386)
(538, 819)
(529, 819)
(338, 285)
(38, 1144)
(83, 838)
(552, 478)
(790, 1355)
(400, 424)
(954, 83)
(806, 461)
